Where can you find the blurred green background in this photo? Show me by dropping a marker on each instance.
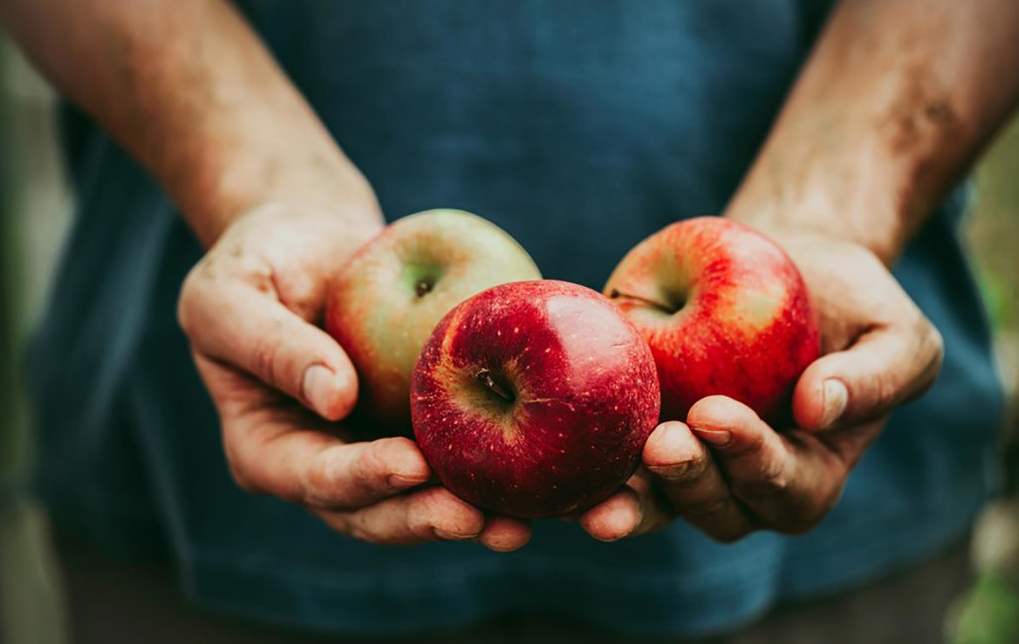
(34, 213)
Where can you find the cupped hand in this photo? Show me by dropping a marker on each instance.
(728, 473)
(250, 309)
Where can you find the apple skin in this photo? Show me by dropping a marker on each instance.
(534, 399)
(743, 325)
(390, 295)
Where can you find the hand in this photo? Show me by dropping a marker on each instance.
(250, 308)
(728, 473)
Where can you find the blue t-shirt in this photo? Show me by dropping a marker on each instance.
(578, 127)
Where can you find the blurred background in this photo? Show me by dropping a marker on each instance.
(34, 215)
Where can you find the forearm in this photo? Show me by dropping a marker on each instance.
(190, 91)
(896, 101)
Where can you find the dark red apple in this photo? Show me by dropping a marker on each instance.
(724, 310)
(534, 399)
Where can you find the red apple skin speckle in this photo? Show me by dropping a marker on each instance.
(585, 398)
(746, 328)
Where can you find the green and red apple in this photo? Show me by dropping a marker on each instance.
(534, 399)
(724, 310)
(390, 295)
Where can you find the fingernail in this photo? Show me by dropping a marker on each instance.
(673, 471)
(717, 437)
(404, 480)
(318, 387)
(834, 398)
(451, 536)
(496, 546)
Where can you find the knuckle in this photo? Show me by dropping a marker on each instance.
(357, 525)
(342, 524)
(265, 356)
(301, 292)
(242, 476)
(367, 536)
(751, 446)
(256, 272)
(334, 482)
(315, 486)
(935, 348)
(355, 529)
(374, 461)
(419, 521)
(188, 300)
(422, 531)
(830, 500)
(881, 390)
(709, 509)
(887, 391)
(366, 473)
(934, 340)
(431, 501)
(237, 460)
(771, 479)
(319, 486)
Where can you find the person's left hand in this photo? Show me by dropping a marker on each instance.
(728, 473)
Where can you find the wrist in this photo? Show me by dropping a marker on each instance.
(873, 208)
(220, 193)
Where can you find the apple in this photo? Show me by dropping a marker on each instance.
(534, 399)
(724, 310)
(386, 300)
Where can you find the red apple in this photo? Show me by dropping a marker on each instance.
(724, 310)
(390, 295)
(534, 399)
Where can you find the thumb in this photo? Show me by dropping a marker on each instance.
(242, 327)
(883, 368)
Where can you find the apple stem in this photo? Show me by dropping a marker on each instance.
(423, 287)
(485, 378)
(615, 293)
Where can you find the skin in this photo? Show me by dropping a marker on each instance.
(897, 100)
(187, 89)
(894, 104)
(535, 398)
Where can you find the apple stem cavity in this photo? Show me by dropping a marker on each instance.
(423, 287)
(485, 377)
(616, 293)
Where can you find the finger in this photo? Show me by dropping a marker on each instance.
(693, 484)
(272, 453)
(613, 518)
(787, 481)
(655, 512)
(235, 323)
(504, 534)
(885, 367)
(417, 517)
(308, 467)
(633, 511)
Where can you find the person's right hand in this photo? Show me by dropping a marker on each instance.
(279, 383)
